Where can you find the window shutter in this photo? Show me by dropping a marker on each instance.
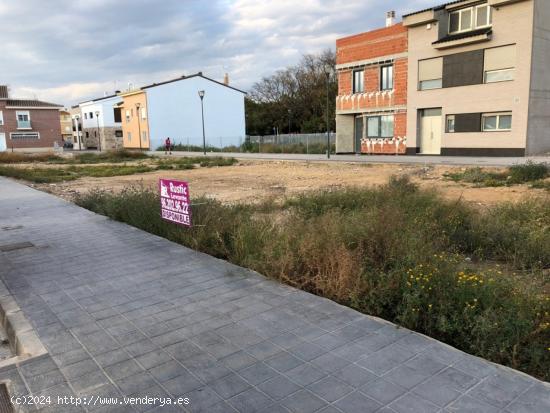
(500, 58)
(430, 69)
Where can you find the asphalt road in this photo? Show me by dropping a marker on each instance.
(418, 159)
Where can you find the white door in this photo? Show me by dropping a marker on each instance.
(3, 145)
(430, 131)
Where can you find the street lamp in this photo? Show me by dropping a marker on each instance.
(327, 74)
(138, 105)
(98, 132)
(201, 95)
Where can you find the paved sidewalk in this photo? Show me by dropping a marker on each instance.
(401, 159)
(123, 312)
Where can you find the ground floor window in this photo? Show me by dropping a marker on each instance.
(450, 123)
(24, 135)
(380, 126)
(496, 122)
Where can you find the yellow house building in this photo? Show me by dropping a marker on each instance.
(135, 127)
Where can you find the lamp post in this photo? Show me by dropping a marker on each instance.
(201, 95)
(327, 74)
(98, 132)
(138, 105)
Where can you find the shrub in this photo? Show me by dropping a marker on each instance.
(17, 157)
(528, 172)
(396, 252)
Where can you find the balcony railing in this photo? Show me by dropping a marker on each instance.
(23, 124)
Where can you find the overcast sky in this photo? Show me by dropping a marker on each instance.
(67, 51)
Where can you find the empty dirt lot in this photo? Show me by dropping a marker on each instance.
(253, 181)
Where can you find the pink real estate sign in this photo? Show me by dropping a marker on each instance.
(174, 201)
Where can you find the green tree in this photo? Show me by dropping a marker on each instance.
(295, 95)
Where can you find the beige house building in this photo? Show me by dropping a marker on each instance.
(479, 78)
(66, 125)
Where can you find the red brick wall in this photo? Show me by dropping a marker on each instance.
(44, 121)
(382, 42)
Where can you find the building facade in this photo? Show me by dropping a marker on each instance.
(66, 125)
(28, 125)
(76, 127)
(174, 110)
(371, 106)
(135, 127)
(102, 123)
(478, 78)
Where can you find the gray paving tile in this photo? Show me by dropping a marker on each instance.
(386, 359)
(250, 401)
(167, 371)
(467, 404)
(283, 361)
(354, 375)
(411, 403)
(89, 381)
(307, 351)
(182, 385)
(238, 361)
(357, 402)
(456, 379)
(279, 387)
(258, 373)
(383, 391)
(330, 389)
(263, 350)
(123, 369)
(436, 392)
(229, 386)
(330, 362)
(79, 368)
(202, 398)
(305, 374)
(153, 359)
(406, 376)
(303, 401)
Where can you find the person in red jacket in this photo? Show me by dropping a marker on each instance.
(167, 146)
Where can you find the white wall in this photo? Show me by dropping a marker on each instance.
(174, 110)
(106, 112)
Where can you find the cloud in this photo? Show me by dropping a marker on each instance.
(68, 51)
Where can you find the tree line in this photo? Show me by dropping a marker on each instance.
(294, 99)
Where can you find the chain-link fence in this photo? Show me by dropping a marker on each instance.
(314, 143)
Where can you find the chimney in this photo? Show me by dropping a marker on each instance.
(390, 18)
(226, 79)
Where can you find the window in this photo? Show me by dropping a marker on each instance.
(143, 113)
(129, 134)
(430, 74)
(499, 64)
(118, 133)
(386, 77)
(25, 135)
(85, 115)
(87, 134)
(144, 136)
(1, 118)
(380, 126)
(450, 123)
(91, 115)
(358, 81)
(492, 122)
(470, 18)
(23, 119)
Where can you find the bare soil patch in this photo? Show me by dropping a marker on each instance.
(255, 181)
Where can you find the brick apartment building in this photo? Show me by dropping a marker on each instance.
(28, 125)
(371, 106)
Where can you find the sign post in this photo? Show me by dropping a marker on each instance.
(175, 202)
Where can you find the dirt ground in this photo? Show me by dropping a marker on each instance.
(253, 181)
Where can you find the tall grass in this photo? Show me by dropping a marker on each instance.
(397, 252)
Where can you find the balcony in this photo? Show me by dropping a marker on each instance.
(24, 124)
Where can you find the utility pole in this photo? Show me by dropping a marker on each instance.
(327, 73)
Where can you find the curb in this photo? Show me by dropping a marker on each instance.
(24, 341)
